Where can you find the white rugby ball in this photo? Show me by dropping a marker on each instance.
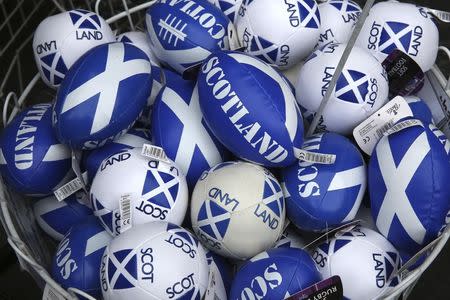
(291, 36)
(407, 27)
(61, 39)
(237, 209)
(157, 190)
(152, 262)
(362, 87)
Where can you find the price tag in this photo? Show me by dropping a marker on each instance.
(69, 188)
(442, 16)
(51, 294)
(125, 213)
(313, 157)
(154, 152)
(368, 133)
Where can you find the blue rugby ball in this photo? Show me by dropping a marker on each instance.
(134, 138)
(322, 196)
(419, 109)
(275, 274)
(78, 257)
(179, 128)
(102, 95)
(250, 108)
(183, 33)
(408, 185)
(56, 217)
(32, 160)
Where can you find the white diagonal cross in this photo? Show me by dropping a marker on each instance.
(274, 197)
(394, 38)
(162, 188)
(352, 85)
(311, 14)
(85, 16)
(106, 84)
(120, 269)
(397, 179)
(212, 220)
(194, 134)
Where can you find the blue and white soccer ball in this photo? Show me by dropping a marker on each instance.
(362, 87)
(179, 128)
(419, 109)
(337, 20)
(250, 108)
(364, 260)
(394, 25)
(102, 95)
(183, 33)
(61, 39)
(275, 274)
(408, 185)
(141, 40)
(152, 262)
(32, 160)
(323, 196)
(280, 32)
(77, 260)
(229, 7)
(55, 217)
(237, 209)
(157, 190)
(134, 138)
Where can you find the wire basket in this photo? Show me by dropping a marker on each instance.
(25, 238)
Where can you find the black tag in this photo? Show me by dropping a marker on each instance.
(404, 74)
(192, 72)
(329, 289)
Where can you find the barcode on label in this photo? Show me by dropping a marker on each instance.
(154, 152)
(50, 294)
(441, 15)
(380, 131)
(68, 189)
(403, 125)
(319, 158)
(125, 212)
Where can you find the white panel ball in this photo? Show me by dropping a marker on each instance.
(361, 90)
(158, 190)
(155, 261)
(364, 260)
(407, 27)
(61, 39)
(338, 18)
(291, 36)
(237, 209)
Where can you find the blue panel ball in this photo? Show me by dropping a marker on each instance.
(102, 95)
(32, 160)
(275, 274)
(321, 196)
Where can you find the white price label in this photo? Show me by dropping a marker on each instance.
(125, 213)
(402, 125)
(443, 16)
(368, 133)
(216, 289)
(154, 152)
(69, 188)
(51, 294)
(313, 157)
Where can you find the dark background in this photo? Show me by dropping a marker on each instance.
(15, 284)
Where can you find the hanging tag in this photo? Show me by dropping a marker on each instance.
(214, 285)
(51, 294)
(125, 213)
(314, 157)
(233, 38)
(70, 188)
(154, 152)
(404, 74)
(191, 72)
(402, 125)
(324, 237)
(329, 289)
(441, 15)
(369, 132)
(76, 158)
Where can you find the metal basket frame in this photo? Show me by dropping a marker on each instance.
(13, 104)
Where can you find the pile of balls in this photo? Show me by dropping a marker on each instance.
(209, 185)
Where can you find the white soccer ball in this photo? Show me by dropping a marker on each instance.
(157, 190)
(394, 25)
(362, 87)
(154, 261)
(280, 32)
(61, 39)
(364, 260)
(337, 20)
(237, 209)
